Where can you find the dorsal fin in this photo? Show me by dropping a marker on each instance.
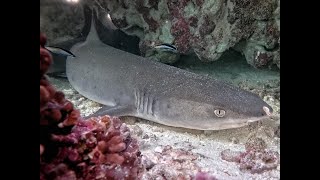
(93, 34)
(87, 22)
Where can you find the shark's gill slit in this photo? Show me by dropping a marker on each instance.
(141, 102)
(146, 103)
(153, 105)
(137, 98)
(150, 99)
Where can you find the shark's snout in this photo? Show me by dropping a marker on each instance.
(267, 110)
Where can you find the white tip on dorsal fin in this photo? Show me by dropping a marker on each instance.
(93, 34)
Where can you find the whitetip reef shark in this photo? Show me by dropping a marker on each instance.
(131, 85)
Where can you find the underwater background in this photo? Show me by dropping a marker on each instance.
(237, 41)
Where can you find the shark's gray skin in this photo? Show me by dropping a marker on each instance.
(131, 85)
(108, 34)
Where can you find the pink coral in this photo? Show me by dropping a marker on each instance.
(204, 176)
(145, 11)
(180, 26)
(170, 163)
(74, 148)
(255, 159)
(97, 148)
(180, 30)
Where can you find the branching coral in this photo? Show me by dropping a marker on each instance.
(74, 148)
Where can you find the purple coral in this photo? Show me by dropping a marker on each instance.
(169, 163)
(180, 29)
(204, 176)
(180, 26)
(102, 148)
(262, 59)
(74, 148)
(255, 159)
(145, 11)
(258, 162)
(193, 21)
(207, 26)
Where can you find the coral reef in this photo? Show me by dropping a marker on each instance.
(206, 27)
(256, 158)
(98, 148)
(74, 148)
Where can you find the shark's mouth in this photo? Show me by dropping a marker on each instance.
(232, 123)
(267, 111)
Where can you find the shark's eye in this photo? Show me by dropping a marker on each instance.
(219, 112)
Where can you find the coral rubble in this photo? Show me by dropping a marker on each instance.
(172, 163)
(204, 176)
(256, 158)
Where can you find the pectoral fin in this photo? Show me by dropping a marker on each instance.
(59, 51)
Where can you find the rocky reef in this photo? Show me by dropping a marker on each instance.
(74, 148)
(61, 20)
(204, 27)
